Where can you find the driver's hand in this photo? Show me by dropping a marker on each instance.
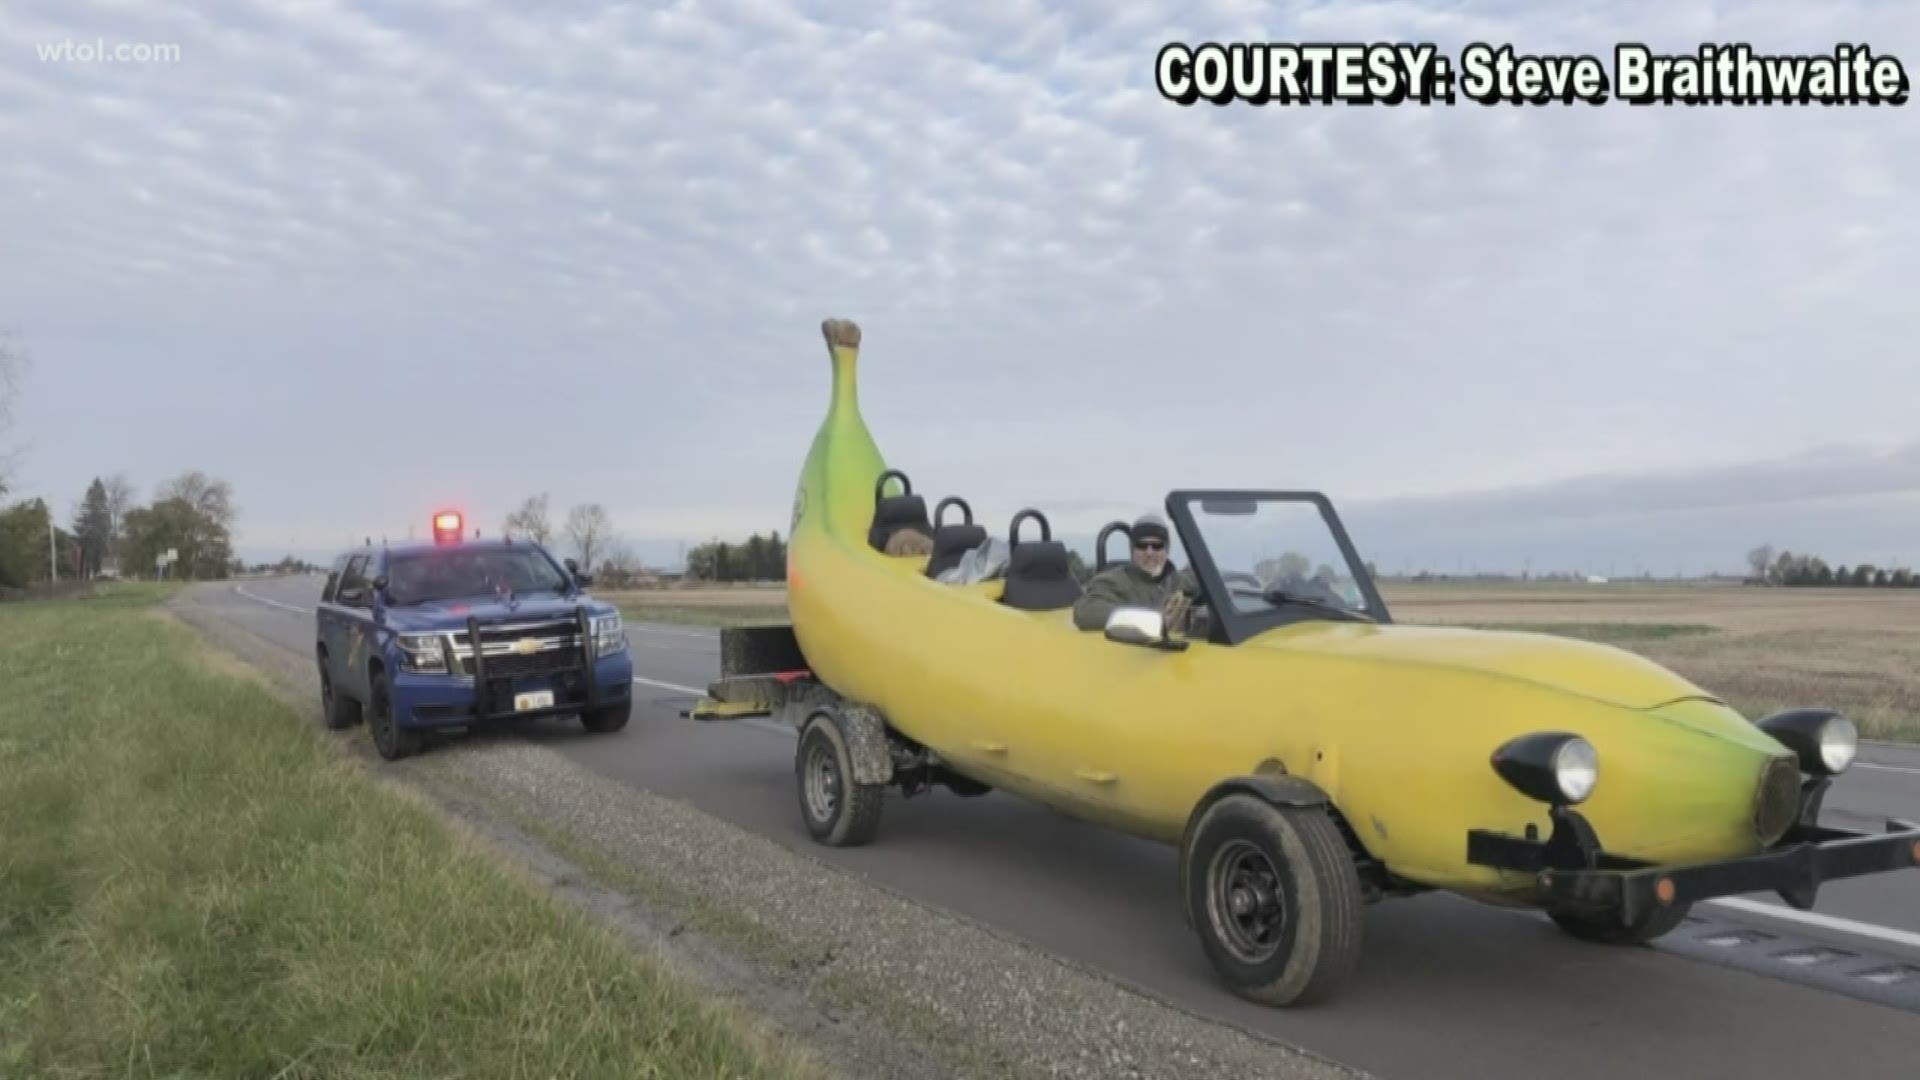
(1174, 610)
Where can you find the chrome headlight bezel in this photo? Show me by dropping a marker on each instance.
(609, 635)
(422, 654)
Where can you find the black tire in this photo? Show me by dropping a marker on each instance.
(389, 738)
(1609, 930)
(838, 811)
(337, 712)
(1275, 899)
(607, 718)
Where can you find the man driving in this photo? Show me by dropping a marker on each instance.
(1147, 580)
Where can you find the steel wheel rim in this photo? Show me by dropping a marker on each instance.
(822, 781)
(1246, 901)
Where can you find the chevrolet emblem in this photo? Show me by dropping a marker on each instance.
(527, 646)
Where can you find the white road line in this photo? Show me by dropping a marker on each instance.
(1886, 768)
(242, 590)
(635, 628)
(669, 686)
(1828, 922)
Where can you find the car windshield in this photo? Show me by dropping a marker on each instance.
(451, 575)
(1277, 552)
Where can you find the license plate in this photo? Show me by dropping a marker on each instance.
(537, 699)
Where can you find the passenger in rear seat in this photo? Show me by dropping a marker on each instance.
(909, 542)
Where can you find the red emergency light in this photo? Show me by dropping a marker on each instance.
(447, 527)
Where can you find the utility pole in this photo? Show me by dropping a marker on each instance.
(53, 549)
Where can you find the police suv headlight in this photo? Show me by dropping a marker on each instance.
(609, 635)
(423, 653)
(1555, 767)
(1825, 741)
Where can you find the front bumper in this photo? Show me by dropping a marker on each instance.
(1573, 872)
(438, 701)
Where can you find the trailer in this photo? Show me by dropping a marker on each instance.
(847, 755)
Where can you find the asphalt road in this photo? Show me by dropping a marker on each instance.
(1447, 988)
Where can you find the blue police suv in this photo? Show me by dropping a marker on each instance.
(459, 633)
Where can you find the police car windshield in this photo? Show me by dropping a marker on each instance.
(452, 575)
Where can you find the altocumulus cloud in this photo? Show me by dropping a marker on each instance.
(326, 226)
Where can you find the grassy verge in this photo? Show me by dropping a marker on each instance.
(193, 883)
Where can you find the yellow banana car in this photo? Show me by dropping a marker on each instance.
(1306, 754)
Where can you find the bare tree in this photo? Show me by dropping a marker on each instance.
(590, 529)
(120, 499)
(530, 521)
(1760, 558)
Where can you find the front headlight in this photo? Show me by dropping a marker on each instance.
(1825, 741)
(423, 653)
(1555, 767)
(1576, 767)
(1839, 742)
(609, 635)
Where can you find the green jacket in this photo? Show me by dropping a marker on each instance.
(1126, 585)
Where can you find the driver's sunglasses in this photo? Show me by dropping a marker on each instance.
(1149, 545)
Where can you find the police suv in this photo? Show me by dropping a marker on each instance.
(462, 632)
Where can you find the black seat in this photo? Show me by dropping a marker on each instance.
(952, 542)
(891, 513)
(1039, 577)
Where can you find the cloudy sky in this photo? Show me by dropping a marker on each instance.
(363, 260)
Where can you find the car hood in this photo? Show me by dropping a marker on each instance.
(1600, 672)
(453, 614)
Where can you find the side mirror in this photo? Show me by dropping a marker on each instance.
(573, 571)
(380, 584)
(1140, 626)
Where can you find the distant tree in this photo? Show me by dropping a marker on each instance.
(530, 521)
(1863, 575)
(23, 532)
(1880, 579)
(121, 498)
(590, 529)
(93, 528)
(1078, 567)
(1901, 578)
(1761, 559)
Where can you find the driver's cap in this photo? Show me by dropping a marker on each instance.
(1149, 525)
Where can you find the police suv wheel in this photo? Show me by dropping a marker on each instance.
(1275, 899)
(838, 810)
(607, 718)
(337, 712)
(389, 738)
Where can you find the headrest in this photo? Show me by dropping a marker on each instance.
(1039, 559)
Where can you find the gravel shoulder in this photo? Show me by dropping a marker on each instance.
(869, 982)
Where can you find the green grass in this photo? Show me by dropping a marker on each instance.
(705, 615)
(193, 883)
(1609, 633)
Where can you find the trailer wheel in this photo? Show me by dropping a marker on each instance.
(1607, 930)
(1276, 900)
(839, 810)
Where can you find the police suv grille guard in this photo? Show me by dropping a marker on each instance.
(483, 690)
(1573, 871)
